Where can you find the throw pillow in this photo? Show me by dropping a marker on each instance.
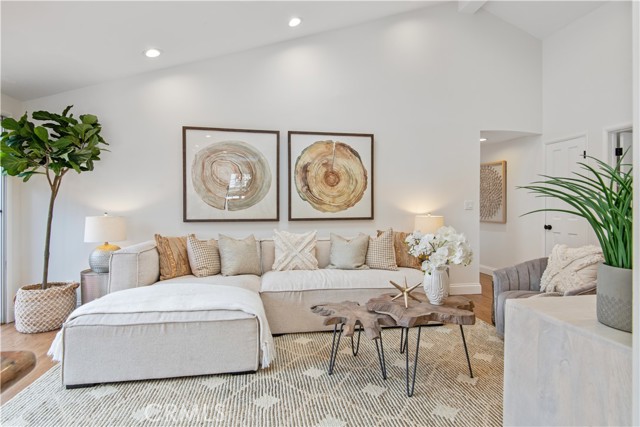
(348, 254)
(380, 253)
(239, 256)
(204, 256)
(403, 257)
(295, 251)
(174, 261)
(571, 268)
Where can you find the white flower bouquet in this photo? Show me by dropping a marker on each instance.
(445, 247)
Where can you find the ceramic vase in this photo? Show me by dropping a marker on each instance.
(436, 285)
(614, 297)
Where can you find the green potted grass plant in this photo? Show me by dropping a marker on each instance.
(59, 144)
(602, 195)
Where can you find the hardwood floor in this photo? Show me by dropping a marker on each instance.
(11, 340)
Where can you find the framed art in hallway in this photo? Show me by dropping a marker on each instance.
(330, 176)
(493, 192)
(230, 174)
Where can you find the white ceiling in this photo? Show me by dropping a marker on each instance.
(49, 47)
(495, 136)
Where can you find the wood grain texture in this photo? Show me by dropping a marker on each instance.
(351, 314)
(15, 365)
(455, 309)
(12, 340)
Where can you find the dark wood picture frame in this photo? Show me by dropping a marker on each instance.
(303, 210)
(270, 202)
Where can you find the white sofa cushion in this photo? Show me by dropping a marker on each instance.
(303, 280)
(245, 281)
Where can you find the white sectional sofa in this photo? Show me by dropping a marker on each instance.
(207, 342)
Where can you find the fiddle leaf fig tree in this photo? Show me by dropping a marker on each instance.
(58, 144)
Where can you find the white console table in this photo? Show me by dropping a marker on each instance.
(562, 367)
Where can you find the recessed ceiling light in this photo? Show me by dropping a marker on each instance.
(152, 53)
(295, 21)
(483, 139)
(207, 136)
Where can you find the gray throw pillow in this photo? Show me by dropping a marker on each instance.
(239, 256)
(349, 254)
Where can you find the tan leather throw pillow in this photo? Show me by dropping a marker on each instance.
(174, 261)
(403, 258)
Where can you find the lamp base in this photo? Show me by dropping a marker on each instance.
(99, 258)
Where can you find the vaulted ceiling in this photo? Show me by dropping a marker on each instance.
(49, 47)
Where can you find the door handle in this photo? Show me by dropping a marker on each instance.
(547, 227)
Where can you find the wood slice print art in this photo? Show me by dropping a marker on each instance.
(330, 176)
(230, 175)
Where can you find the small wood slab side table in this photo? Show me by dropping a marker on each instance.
(15, 365)
(347, 315)
(455, 309)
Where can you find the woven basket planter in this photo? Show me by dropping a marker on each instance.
(41, 310)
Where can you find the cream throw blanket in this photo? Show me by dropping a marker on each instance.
(177, 297)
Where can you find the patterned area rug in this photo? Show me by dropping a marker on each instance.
(296, 390)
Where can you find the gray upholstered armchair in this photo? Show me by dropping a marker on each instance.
(520, 281)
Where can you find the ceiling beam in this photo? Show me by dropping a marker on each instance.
(470, 6)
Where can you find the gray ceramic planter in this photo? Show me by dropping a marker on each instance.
(614, 297)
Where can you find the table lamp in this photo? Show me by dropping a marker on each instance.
(103, 228)
(428, 224)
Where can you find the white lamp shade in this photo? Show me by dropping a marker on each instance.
(428, 224)
(104, 228)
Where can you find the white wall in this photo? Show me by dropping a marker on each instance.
(636, 224)
(424, 83)
(587, 76)
(10, 106)
(522, 237)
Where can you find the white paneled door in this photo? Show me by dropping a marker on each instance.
(561, 159)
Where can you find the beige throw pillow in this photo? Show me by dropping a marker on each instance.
(380, 254)
(204, 256)
(239, 256)
(348, 254)
(294, 251)
(174, 261)
(571, 268)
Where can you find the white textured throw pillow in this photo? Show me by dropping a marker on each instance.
(381, 253)
(204, 256)
(571, 268)
(295, 251)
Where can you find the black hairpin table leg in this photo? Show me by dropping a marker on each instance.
(405, 349)
(380, 350)
(356, 348)
(335, 345)
(466, 352)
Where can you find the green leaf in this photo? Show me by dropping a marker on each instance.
(10, 124)
(66, 110)
(42, 134)
(64, 142)
(43, 115)
(13, 165)
(89, 119)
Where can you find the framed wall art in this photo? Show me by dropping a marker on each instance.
(230, 174)
(330, 176)
(493, 192)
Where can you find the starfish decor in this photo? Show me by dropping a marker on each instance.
(404, 292)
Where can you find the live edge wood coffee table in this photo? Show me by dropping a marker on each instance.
(384, 311)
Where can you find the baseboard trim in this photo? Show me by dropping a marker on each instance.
(465, 289)
(485, 269)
